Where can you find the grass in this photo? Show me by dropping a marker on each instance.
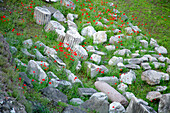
(148, 13)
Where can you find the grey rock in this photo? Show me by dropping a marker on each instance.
(27, 81)
(122, 87)
(116, 38)
(59, 16)
(80, 51)
(135, 28)
(123, 52)
(120, 65)
(54, 26)
(136, 105)
(19, 63)
(153, 95)
(143, 59)
(77, 101)
(39, 44)
(49, 51)
(161, 88)
(90, 48)
(72, 109)
(162, 59)
(153, 77)
(25, 51)
(144, 43)
(128, 30)
(132, 66)
(86, 91)
(39, 56)
(133, 61)
(88, 31)
(156, 56)
(112, 94)
(52, 75)
(96, 58)
(13, 50)
(100, 53)
(116, 107)
(100, 96)
(101, 106)
(134, 55)
(164, 104)
(60, 84)
(168, 69)
(78, 67)
(115, 60)
(34, 69)
(128, 77)
(157, 64)
(69, 4)
(54, 94)
(99, 37)
(128, 95)
(42, 15)
(92, 69)
(145, 66)
(51, 9)
(161, 50)
(110, 47)
(72, 25)
(72, 16)
(153, 43)
(109, 80)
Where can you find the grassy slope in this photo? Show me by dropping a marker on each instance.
(30, 29)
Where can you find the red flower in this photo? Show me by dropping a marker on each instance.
(24, 84)
(32, 79)
(30, 6)
(43, 79)
(20, 78)
(49, 82)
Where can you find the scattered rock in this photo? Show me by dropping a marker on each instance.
(161, 50)
(116, 38)
(80, 51)
(42, 15)
(157, 64)
(27, 43)
(128, 30)
(49, 51)
(86, 91)
(24, 77)
(128, 77)
(164, 104)
(128, 95)
(132, 66)
(88, 31)
(138, 105)
(115, 60)
(122, 87)
(110, 47)
(112, 94)
(34, 69)
(13, 50)
(100, 96)
(144, 43)
(116, 107)
(96, 58)
(59, 16)
(99, 37)
(25, 51)
(72, 109)
(39, 56)
(72, 16)
(153, 95)
(90, 48)
(145, 66)
(153, 77)
(77, 101)
(161, 88)
(162, 59)
(101, 106)
(54, 25)
(123, 52)
(54, 94)
(109, 80)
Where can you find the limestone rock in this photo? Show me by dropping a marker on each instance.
(109, 80)
(122, 87)
(86, 91)
(145, 66)
(110, 47)
(128, 77)
(116, 107)
(123, 52)
(132, 66)
(115, 60)
(39, 56)
(116, 38)
(161, 50)
(153, 77)
(90, 48)
(80, 51)
(34, 69)
(99, 37)
(153, 95)
(138, 105)
(112, 94)
(69, 4)
(164, 104)
(88, 31)
(128, 95)
(128, 30)
(100, 96)
(49, 51)
(144, 43)
(157, 64)
(54, 94)
(77, 101)
(101, 106)
(161, 88)
(59, 16)
(96, 58)
(61, 84)
(25, 51)
(53, 25)
(42, 15)
(72, 16)
(153, 42)
(28, 43)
